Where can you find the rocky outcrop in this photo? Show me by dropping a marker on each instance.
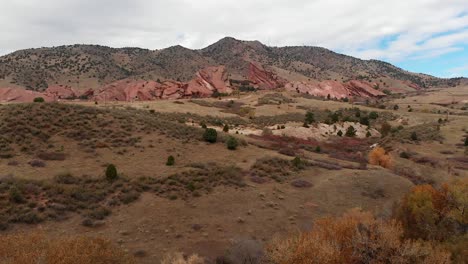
(61, 92)
(335, 89)
(362, 89)
(206, 82)
(21, 95)
(263, 79)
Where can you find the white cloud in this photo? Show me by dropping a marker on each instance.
(457, 71)
(354, 27)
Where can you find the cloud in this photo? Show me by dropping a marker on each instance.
(409, 29)
(457, 71)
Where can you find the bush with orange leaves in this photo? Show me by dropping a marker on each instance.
(438, 214)
(435, 214)
(37, 248)
(378, 156)
(356, 237)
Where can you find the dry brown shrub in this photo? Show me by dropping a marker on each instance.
(178, 258)
(37, 248)
(356, 237)
(378, 156)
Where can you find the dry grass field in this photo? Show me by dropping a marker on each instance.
(214, 201)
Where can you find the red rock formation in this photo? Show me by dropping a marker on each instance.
(362, 89)
(335, 89)
(61, 92)
(206, 82)
(413, 85)
(21, 95)
(264, 79)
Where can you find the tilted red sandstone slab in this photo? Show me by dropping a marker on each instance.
(264, 79)
(8, 94)
(335, 89)
(61, 92)
(206, 82)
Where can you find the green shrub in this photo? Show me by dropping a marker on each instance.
(170, 161)
(466, 141)
(364, 120)
(368, 134)
(309, 118)
(232, 143)
(373, 115)
(210, 135)
(111, 172)
(38, 100)
(15, 195)
(318, 149)
(297, 162)
(339, 133)
(203, 125)
(350, 132)
(414, 136)
(226, 128)
(404, 155)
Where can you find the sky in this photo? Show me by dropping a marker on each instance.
(428, 36)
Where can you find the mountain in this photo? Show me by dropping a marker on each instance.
(85, 67)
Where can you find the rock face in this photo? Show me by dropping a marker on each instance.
(61, 92)
(335, 89)
(21, 95)
(264, 79)
(206, 82)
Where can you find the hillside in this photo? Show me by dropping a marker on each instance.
(86, 67)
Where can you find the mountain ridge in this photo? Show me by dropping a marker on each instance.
(91, 66)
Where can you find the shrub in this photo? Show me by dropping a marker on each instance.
(170, 161)
(210, 135)
(356, 237)
(466, 141)
(298, 163)
(309, 118)
(377, 156)
(15, 195)
(37, 248)
(364, 120)
(373, 115)
(385, 129)
(318, 149)
(37, 163)
(203, 125)
(51, 156)
(404, 155)
(38, 100)
(350, 132)
(436, 214)
(368, 134)
(232, 143)
(226, 128)
(339, 133)
(414, 136)
(111, 172)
